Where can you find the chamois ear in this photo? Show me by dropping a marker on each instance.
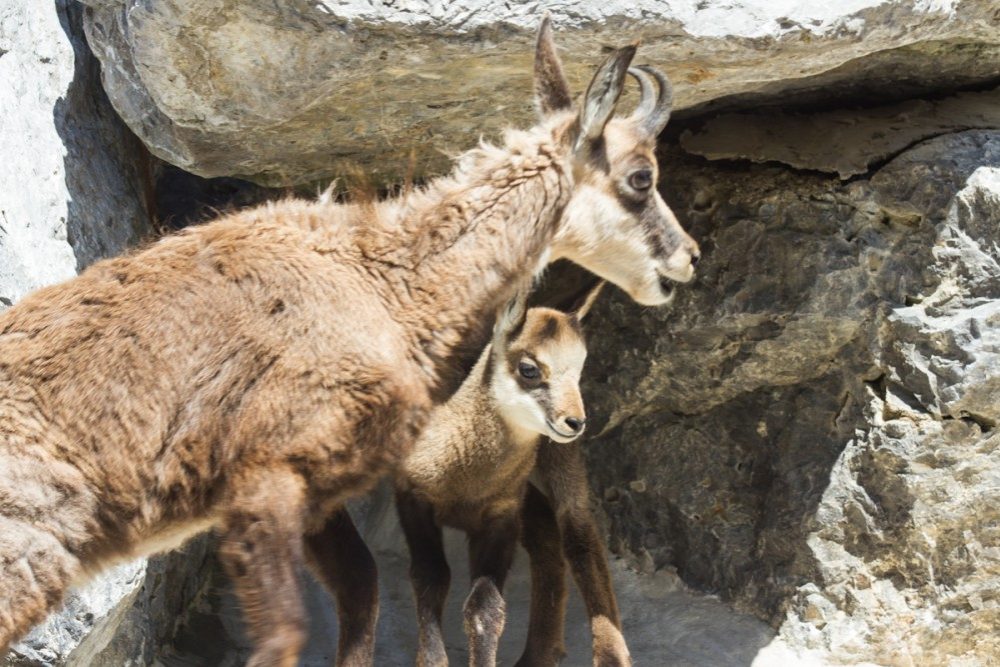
(603, 93)
(585, 303)
(551, 88)
(510, 316)
(575, 295)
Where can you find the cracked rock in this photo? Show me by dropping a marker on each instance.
(813, 418)
(292, 92)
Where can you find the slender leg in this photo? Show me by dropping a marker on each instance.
(262, 552)
(585, 553)
(429, 574)
(491, 553)
(545, 645)
(340, 557)
(563, 471)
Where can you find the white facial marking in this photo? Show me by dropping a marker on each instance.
(602, 236)
(516, 405)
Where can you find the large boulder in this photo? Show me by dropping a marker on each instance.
(296, 91)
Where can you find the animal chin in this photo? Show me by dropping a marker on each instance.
(656, 292)
(667, 286)
(558, 436)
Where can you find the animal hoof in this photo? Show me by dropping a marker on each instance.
(610, 649)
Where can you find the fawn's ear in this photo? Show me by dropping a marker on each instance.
(551, 88)
(576, 296)
(586, 301)
(602, 95)
(510, 316)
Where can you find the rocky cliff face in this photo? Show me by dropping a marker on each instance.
(808, 431)
(70, 184)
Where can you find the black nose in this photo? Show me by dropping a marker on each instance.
(575, 425)
(695, 256)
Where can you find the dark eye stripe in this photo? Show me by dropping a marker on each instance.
(653, 228)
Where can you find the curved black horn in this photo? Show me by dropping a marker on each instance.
(647, 97)
(652, 114)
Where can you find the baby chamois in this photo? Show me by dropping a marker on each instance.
(251, 374)
(470, 470)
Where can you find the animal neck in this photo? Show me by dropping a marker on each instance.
(460, 248)
(519, 437)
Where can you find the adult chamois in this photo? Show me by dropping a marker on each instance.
(251, 374)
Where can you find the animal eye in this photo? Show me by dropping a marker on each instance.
(641, 179)
(528, 370)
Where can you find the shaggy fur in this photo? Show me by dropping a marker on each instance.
(252, 373)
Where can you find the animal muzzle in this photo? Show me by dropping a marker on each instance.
(567, 427)
(680, 264)
(682, 251)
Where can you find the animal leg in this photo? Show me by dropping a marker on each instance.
(35, 571)
(341, 559)
(585, 552)
(563, 471)
(491, 553)
(262, 552)
(429, 574)
(545, 645)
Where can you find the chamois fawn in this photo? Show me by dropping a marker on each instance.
(470, 469)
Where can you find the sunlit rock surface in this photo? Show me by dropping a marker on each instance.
(296, 91)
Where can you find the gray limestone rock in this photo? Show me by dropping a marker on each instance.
(87, 622)
(71, 177)
(809, 429)
(122, 618)
(297, 91)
